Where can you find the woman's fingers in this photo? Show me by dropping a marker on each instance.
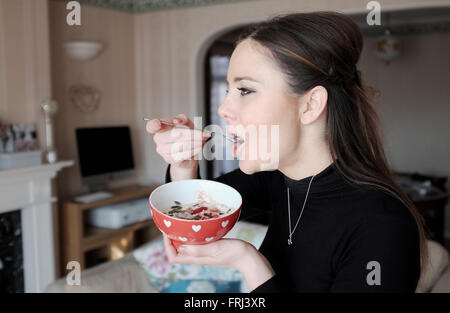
(178, 157)
(155, 126)
(180, 144)
(170, 250)
(180, 134)
(180, 149)
(175, 257)
(177, 143)
(184, 155)
(183, 120)
(224, 252)
(200, 251)
(177, 147)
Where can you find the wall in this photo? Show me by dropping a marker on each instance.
(414, 104)
(112, 72)
(25, 75)
(24, 62)
(154, 64)
(170, 49)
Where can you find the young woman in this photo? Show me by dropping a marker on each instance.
(339, 222)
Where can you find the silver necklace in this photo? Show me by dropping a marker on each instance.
(301, 212)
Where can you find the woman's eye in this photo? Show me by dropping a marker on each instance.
(245, 91)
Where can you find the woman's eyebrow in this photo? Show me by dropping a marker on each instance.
(236, 79)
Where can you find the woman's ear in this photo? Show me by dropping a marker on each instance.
(313, 104)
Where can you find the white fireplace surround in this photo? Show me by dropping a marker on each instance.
(30, 191)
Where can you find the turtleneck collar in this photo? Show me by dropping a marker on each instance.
(328, 180)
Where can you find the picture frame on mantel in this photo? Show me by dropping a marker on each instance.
(18, 137)
(19, 146)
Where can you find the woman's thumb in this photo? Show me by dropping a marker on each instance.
(153, 126)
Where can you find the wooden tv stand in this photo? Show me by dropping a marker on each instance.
(90, 245)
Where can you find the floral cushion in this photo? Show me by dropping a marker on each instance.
(193, 278)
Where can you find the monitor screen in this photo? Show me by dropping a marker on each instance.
(103, 150)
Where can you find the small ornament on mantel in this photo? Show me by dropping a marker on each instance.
(50, 107)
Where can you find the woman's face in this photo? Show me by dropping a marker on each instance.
(259, 109)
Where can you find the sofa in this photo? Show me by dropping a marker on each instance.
(133, 274)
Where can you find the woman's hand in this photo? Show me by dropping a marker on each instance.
(178, 146)
(234, 253)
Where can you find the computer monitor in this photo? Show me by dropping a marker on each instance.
(104, 153)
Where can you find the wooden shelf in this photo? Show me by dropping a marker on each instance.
(79, 240)
(119, 195)
(96, 237)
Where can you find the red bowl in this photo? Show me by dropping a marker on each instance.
(182, 231)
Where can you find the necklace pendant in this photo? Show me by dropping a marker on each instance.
(289, 241)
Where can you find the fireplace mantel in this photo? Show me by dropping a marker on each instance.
(30, 190)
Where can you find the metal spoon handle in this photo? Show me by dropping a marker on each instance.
(177, 125)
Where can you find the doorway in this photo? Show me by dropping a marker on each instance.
(216, 66)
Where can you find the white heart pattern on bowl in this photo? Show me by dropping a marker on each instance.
(182, 239)
(224, 223)
(167, 223)
(209, 238)
(196, 228)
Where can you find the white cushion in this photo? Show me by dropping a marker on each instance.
(437, 263)
(251, 232)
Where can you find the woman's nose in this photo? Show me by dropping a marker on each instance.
(225, 112)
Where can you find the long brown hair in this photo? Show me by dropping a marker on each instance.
(323, 48)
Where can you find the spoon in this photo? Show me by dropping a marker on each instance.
(226, 136)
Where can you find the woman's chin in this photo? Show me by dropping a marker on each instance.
(248, 167)
(251, 167)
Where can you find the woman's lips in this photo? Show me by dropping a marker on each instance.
(239, 141)
(236, 137)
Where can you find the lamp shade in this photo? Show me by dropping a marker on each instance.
(83, 50)
(387, 47)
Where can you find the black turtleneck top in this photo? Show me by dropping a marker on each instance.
(343, 229)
